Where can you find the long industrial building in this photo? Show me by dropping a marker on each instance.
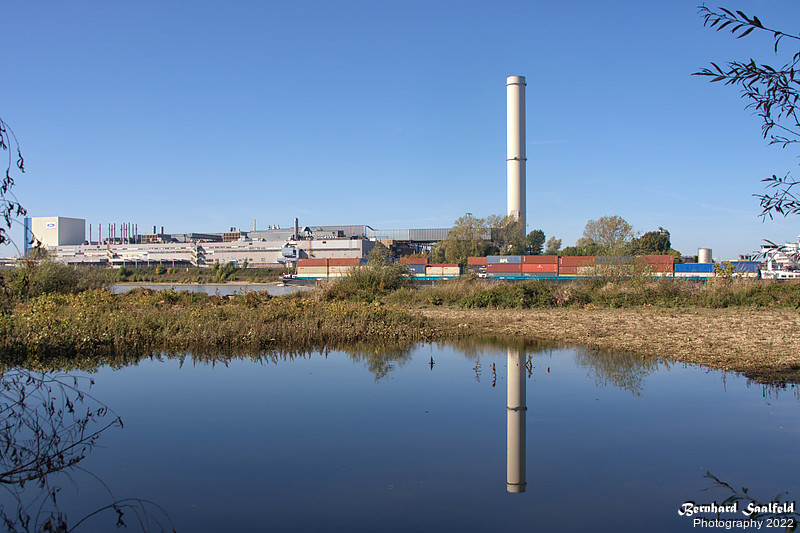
(65, 240)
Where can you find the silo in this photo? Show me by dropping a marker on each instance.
(704, 255)
(515, 153)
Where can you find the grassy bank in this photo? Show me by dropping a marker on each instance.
(602, 293)
(96, 323)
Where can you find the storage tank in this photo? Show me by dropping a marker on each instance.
(704, 255)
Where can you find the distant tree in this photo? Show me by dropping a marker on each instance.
(9, 205)
(535, 242)
(773, 93)
(652, 242)
(469, 236)
(379, 254)
(506, 234)
(608, 231)
(553, 246)
(587, 248)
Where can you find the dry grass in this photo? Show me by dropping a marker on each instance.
(762, 344)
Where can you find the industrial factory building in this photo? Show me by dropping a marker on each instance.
(65, 241)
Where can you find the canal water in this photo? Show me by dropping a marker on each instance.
(483, 436)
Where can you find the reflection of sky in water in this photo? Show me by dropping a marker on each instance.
(318, 443)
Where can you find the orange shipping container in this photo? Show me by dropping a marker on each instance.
(539, 268)
(312, 262)
(656, 259)
(414, 260)
(577, 260)
(343, 262)
(476, 260)
(567, 270)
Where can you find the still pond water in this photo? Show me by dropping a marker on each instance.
(436, 438)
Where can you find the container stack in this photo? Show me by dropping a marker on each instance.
(476, 265)
(447, 270)
(338, 268)
(694, 270)
(503, 266)
(576, 265)
(312, 268)
(661, 264)
(416, 265)
(540, 266)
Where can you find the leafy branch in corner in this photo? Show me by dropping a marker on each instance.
(9, 205)
(774, 95)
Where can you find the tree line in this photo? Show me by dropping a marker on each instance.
(502, 235)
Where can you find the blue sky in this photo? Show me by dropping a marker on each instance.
(199, 116)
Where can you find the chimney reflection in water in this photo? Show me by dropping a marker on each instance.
(516, 409)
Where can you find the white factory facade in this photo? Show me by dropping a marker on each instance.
(65, 241)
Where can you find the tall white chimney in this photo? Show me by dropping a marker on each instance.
(515, 153)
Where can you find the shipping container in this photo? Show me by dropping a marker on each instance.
(656, 259)
(451, 271)
(312, 262)
(413, 260)
(504, 267)
(504, 259)
(577, 260)
(476, 260)
(433, 270)
(745, 267)
(416, 269)
(694, 268)
(569, 270)
(540, 268)
(343, 262)
(312, 270)
(541, 259)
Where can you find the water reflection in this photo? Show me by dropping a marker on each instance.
(50, 423)
(516, 427)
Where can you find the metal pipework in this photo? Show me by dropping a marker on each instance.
(517, 411)
(515, 153)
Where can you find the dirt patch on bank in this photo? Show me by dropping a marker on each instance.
(762, 344)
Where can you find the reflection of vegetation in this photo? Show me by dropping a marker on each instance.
(624, 370)
(380, 360)
(473, 347)
(761, 511)
(49, 426)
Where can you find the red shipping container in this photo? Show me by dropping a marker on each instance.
(567, 270)
(541, 259)
(312, 262)
(539, 268)
(656, 259)
(444, 265)
(577, 260)
(505, 267)
(414, 260)
(343, 262)
(476, 260)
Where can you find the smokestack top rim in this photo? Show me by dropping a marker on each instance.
(515, 80)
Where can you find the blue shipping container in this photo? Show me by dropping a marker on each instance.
(694, 267)
(750, 267)
(416, 269)
(503, 259)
